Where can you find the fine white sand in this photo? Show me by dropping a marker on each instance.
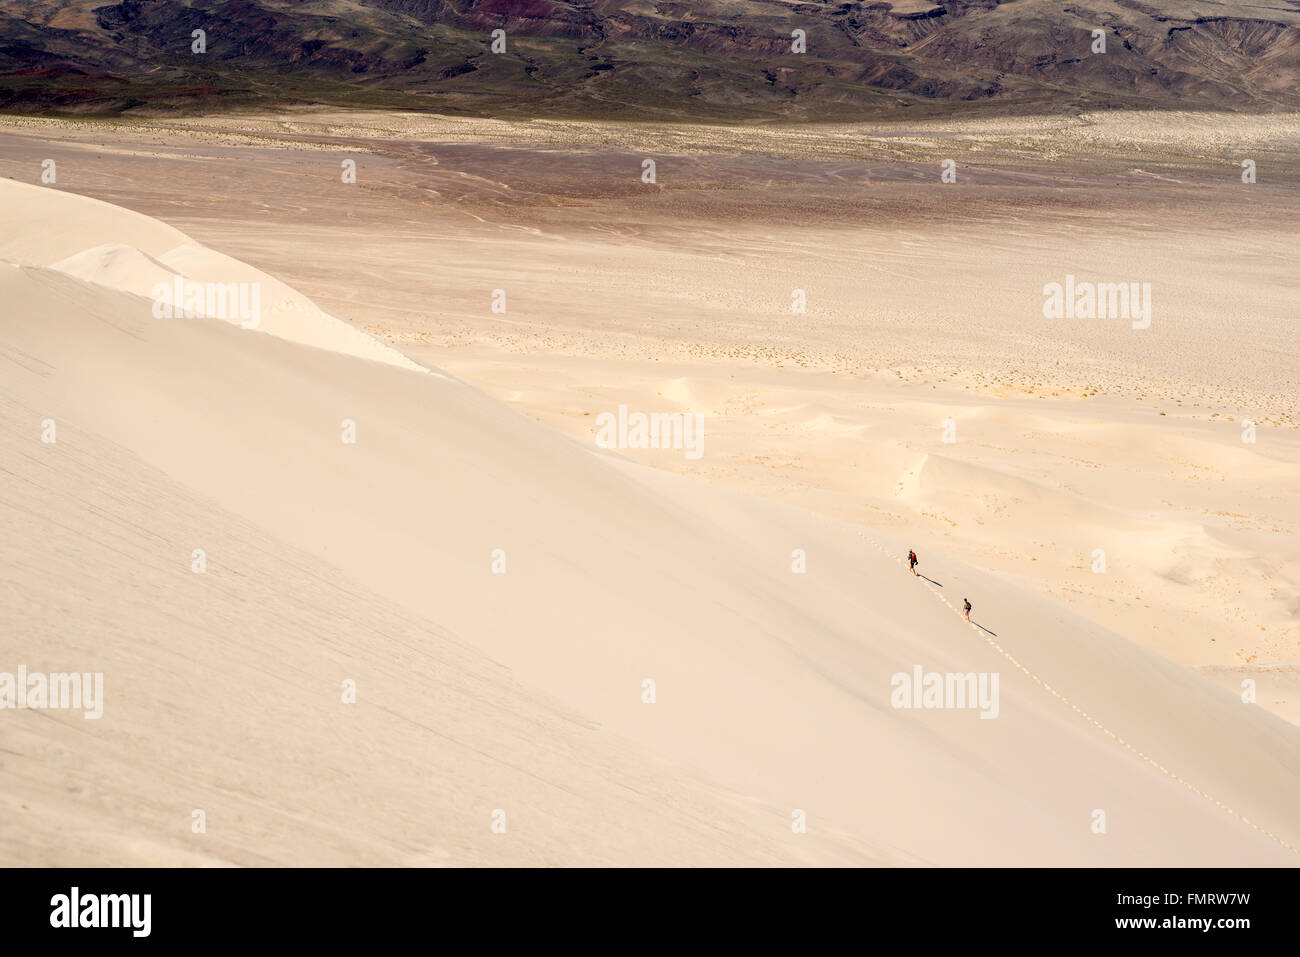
(521, 691)
(924, 305)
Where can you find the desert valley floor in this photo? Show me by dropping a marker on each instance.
(920, 399)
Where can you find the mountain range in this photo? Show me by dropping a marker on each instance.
(708, 60)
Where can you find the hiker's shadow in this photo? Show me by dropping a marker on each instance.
(983, 629)
(929, 579)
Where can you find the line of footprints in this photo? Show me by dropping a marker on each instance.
(1085, 715)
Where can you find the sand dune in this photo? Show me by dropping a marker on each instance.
(519, 688)
(82, 238)
(117, 267)
(923, 304)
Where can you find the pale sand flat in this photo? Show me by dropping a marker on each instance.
(373, 561)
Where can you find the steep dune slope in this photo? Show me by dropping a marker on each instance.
(773, 688)
(223, 694)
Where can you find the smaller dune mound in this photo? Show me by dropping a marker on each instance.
(156, 262)
(284, 312)
(981, 493)
(120, 267)
(696, 394)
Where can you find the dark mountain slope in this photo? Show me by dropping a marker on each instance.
(711, 59)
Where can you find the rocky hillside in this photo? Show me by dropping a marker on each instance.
(705, 59)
